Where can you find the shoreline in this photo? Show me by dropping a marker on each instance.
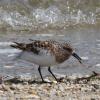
(68, 89)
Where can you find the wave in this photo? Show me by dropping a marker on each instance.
(30, 15)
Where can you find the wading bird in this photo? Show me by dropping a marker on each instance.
(45, 53)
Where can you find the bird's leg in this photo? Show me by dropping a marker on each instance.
(39, 69)
(49, 69)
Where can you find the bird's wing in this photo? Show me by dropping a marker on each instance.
(25, 47)
(37, 47)
(42, 47)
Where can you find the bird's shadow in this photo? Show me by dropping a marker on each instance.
(17, 81)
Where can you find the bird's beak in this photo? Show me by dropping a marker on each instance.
(77, 57)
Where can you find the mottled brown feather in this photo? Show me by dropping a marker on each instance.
(61, 51)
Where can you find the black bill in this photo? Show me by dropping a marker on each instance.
(77, 57)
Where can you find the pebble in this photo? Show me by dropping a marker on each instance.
(19, 86)
(47, 91)
(61, 88)
(1, 91)
(47, 80)
(32, 92)
(53, 92)
(93, 99)
(13, 87)
(25, 83)
(96, 86)
(31, 96)
(55, 82)
(5, 87)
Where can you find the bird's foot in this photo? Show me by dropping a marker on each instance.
(60, 79)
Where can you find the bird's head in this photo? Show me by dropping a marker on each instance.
(70, 51)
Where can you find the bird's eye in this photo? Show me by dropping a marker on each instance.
(68, 49)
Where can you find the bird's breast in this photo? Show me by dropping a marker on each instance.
(42, 60)
(62, 56)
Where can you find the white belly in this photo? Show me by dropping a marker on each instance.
(42, 60)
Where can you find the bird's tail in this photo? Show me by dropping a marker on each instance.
(18, 45)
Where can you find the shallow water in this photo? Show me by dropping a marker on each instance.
(75, 21)
(85, 41)
(30, 15)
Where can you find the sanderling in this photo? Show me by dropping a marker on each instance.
(45, 53)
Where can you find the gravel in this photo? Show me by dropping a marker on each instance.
(36, 90)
